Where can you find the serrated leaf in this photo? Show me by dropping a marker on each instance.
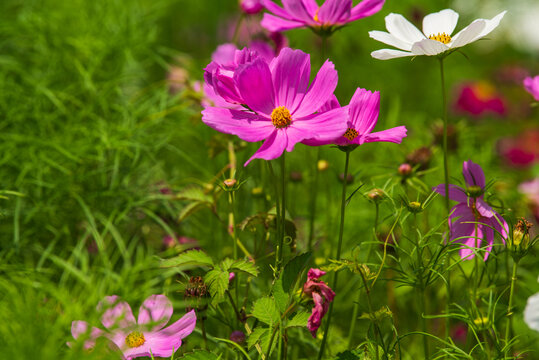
(190, 257)
(194, 193)
(299, 320)
(281, 298)
(225, 264)
(251, 222)
(190, 209)
(244, 266)
(217, 281)
(293, 269)
(255, 336)
(200, 355)
(378, 315)
(265, 310)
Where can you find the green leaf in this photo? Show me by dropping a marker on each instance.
(281, 298)
(262, 336)
(255, 336)
(194, 193)
(299, 320)
(191, 257)
(217, 281)
(244, 266)
(293, 269)
(265, 310)
(191, 208)
(200, 355)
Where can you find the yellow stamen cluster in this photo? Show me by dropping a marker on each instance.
(135, 339)
(351, 134)
(316, 15)
(441, 37)
(280, 117)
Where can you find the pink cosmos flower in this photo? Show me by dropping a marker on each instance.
(322, 295)
(479, 99)
(147, 334)
(520, 151)
(531, 190)
(306, 13)
(531, 84)
(251, 6)
(362, 117)
(280, 105)
(472, 220)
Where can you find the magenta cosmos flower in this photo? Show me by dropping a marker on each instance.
(322, 295)
(472, 220)
(480, 98)
(251, 6)
(281, 107)
(531, 84)
(144, 336)
(362, 117)
(306, 13)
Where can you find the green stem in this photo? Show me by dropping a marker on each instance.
(282, 231)
(237, 29)
(278, 212)
(232, 224)
(314, 196)
(509, 328)
(422, 293)
(338, 257)
(371, 312)
(448, 209)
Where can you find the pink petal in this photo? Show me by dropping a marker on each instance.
(322, 128)
(157, 310)
(394, 135)
(181, 328)
(332, 103)
(484, 209)
(311, 6)
(297, 10)
(366, 8)
(315, 274)
(255, 86)
(363, 110)
(276, 24)
(291, 72)
(246, 125)
(224, 54)
(119, 315)
(320, 91)
(272, 147)
(473, 174)
(263, 49)
(335, 11)
(276, 9)
(456, 193)
(532, 86)
(79, 328)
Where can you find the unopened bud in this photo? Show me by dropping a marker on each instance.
(415, 207)
(229, 183)
(474, 191)
(405, 169)
(376, 195)
(322, 165)
(521, 234)
(296, 176)
(238, 337)
(251, 6)
(349, 178)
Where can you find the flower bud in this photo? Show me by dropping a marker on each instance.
(521, 235)
(251, 6)
(229, 183)
(237, 336)
(405, 170)
(349, 178)
(376, 195)
(322, 165)
(474, 191)
(296, 176)
(196, 287)
(420, 157)
(257, 191)
(415, 207)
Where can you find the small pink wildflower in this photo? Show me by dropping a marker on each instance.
(251, 6)
(322, 295)
(531, 84)
(142, 337)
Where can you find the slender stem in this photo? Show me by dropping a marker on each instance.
(282, 234)
(509, 328)
(446, 181)
(278, 211)
(314, 196)
(237, 29)
(232, 223)
(203, 328)
(371, 310)
(338, 257)
(422, 292)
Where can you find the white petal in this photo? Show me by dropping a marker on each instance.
(429, 47)
(386, 54)
(389, 39)
(402, 29)
(468, 34)
(531, 313)
(488, 26)
(440, 22)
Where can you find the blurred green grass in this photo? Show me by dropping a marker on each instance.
(89, 133)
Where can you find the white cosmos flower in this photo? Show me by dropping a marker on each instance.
(531, 313)
(436, 36)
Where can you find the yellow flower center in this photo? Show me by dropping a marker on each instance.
(316, 15)
(280, 117)
(135, 339)
(441, 37)
(351, 134)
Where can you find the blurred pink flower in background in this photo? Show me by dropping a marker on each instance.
(306, 13)
(251, 7)
(531, 190)
(173, 241)
(322, 295)
(479, 99)
(520, 151)
(531, 84)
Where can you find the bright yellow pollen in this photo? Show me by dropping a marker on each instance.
(135, 339)
(280, 117)
(351, 134)
(316, 15)
(441, 37)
